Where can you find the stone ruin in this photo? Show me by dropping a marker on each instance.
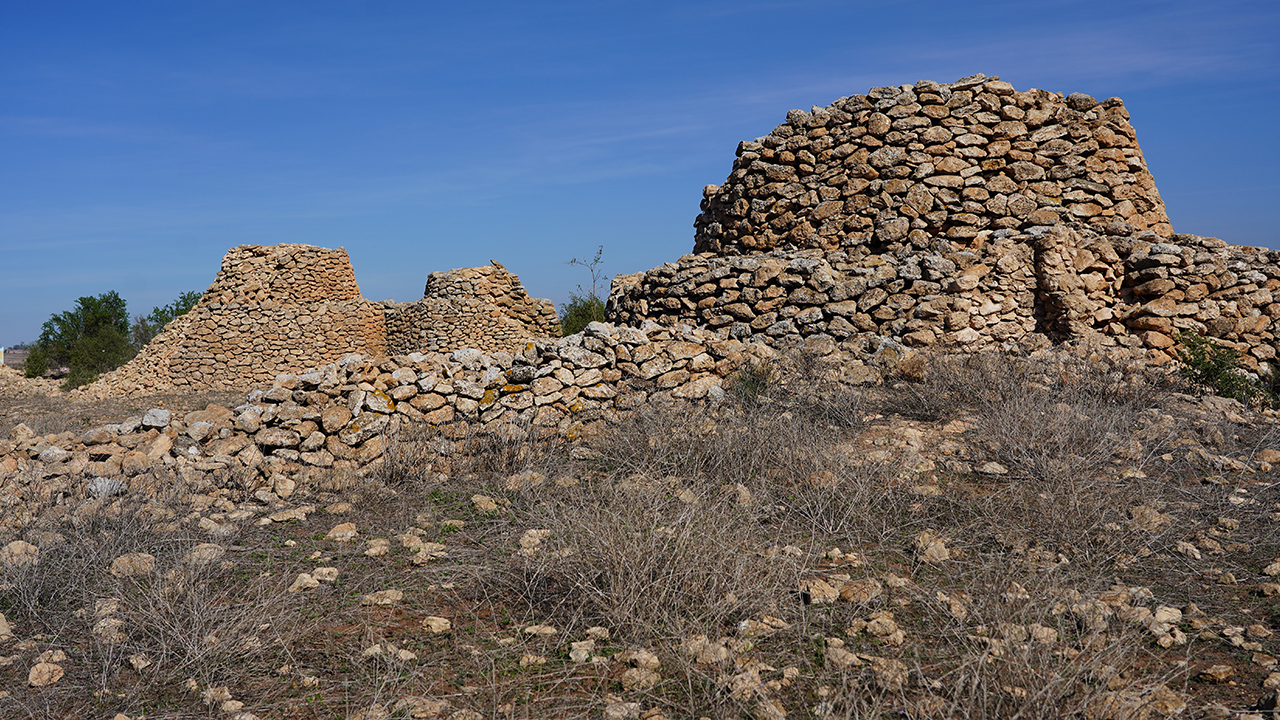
(996, 257)
(271, 309)
(282, 308)
(900, 166)
(340, 416)
(965, 215)
(484, 308)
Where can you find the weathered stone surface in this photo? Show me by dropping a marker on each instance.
(382, 597)
(134, 564)
(304, 581)
(19, 553)
(436, 625)
(483, 308)
(53, 454)
(205, 553)
(44, 674)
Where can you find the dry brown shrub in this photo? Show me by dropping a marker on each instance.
(646, 564)
(1064, 428)
(1050, 417)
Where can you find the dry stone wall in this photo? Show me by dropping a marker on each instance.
(340, 415)
(271, 309)
(902, 165)
(1014, 290)
(279, 308)
(486, 308)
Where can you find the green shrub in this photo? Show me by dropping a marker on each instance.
(1216, 369)
(89, 340)
(584, 306)
(37, 362)
(95, 354)
(579, 311)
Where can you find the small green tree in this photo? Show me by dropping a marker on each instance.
(89, 340)
(584, 306)
(146, 328)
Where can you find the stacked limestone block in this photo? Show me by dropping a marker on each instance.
(340, 416)
(486, 308)
(1015, 290)
(1202, 284)
(902, 165)
(971, 298)
(271, 309)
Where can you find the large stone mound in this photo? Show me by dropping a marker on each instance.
(902, 165)
(270, 310)
(486, 308)
(968, 216)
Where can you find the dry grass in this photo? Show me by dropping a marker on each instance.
(48, 412)
(696, 534)
(138, 640)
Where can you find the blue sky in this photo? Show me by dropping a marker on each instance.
(139, 141)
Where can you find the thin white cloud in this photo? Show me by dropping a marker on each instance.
(77, 128)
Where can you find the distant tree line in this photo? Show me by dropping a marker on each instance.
(96, 336)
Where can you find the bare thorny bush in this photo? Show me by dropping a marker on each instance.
(419, 456)
(647, 564)
(139, 638)
(1076, 437)
(1046, 418)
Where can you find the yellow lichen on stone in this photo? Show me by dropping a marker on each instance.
(385, 398)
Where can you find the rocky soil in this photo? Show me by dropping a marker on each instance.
(982, 537)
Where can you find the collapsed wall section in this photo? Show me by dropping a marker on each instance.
(902, 165)
(486, 308)
(271, 309)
